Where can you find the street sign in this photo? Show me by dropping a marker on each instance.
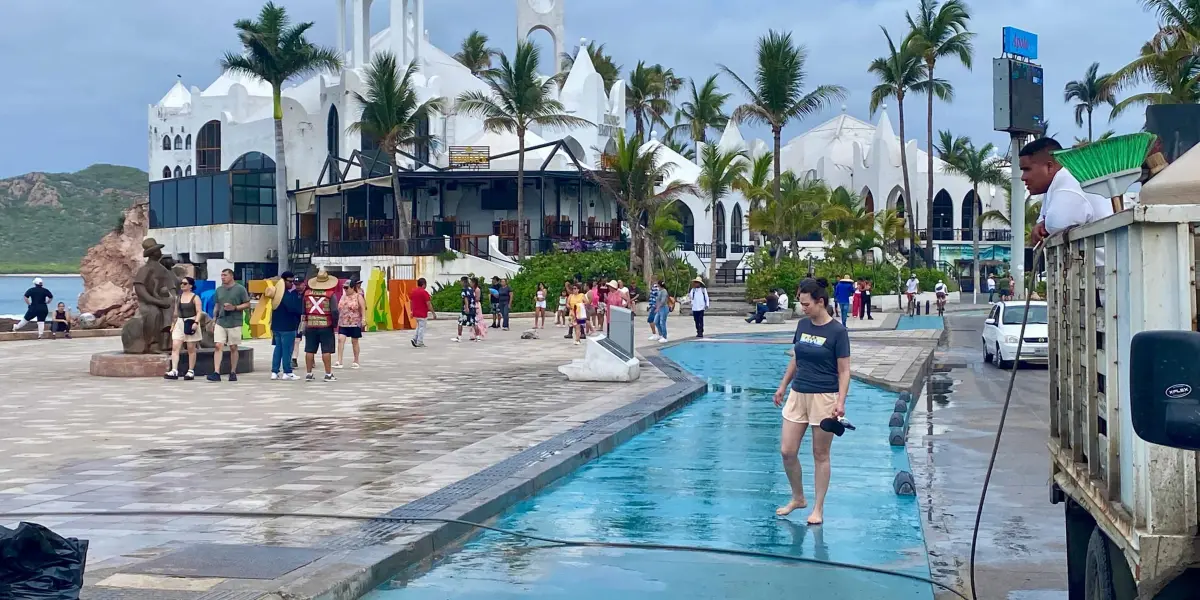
(1020, 43)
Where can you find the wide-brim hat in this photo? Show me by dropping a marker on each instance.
(614, 285)
(698, 280)
(322, 281)
(150, 245)
(275, 291)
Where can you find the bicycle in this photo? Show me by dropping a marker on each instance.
(912, 304)
(941, 305)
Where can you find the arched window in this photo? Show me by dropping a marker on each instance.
(253, 177)
(188, 171)
(943, 216)
(720, 217)
(970, 212)
(178, 142)
(253, 161)
(166, 142)
(683, 214)
(868, 201)
(187, 142)
(421, 152)
(208, 148)
(166, 173)
(735, 228)
(178, 172)
(333, 133)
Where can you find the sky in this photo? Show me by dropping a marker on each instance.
(80, 74)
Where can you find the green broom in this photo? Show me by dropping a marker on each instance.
(1108, 167)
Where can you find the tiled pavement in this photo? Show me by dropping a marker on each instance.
(409, 423)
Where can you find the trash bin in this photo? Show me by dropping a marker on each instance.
(38, 564)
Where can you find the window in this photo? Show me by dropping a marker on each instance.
(188, 171)
(187, 142)
(421, 152)
(253, 161)
(1038, 315)
(178, 171)
(245, 196)
(166, 142)
(208, 148)
(333, 133)
(166, 173)
(178, 142)
(253, 189)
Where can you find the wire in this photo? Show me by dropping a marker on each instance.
(1012, 379)
(507, 532)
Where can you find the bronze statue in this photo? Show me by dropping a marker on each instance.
(156, 287)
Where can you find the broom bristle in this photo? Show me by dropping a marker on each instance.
(1106, 157)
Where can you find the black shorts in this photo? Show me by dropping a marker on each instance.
(319, 338)
(351, 332)
(61, 327)
(34, 314)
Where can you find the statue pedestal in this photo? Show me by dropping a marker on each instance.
(204, 361)
(119, 364)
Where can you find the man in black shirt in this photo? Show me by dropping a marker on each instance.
(504, 300)
(38, 299)
(764, 306)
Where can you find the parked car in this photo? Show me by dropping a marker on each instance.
(1003, 325)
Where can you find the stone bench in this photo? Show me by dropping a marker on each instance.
(778, 317)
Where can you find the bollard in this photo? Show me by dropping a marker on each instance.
(906, 396)
(897, 420)
(926, 307)
(904, 484)
(896, 437)
(901, 406)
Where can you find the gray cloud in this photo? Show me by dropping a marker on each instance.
(81, 74)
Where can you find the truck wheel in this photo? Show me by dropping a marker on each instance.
(1098, 574)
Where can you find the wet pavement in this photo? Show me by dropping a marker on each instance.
(1021, 554)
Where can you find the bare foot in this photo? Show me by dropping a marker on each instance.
(815, 518)
(787, 509)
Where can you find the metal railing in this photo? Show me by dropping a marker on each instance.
(422, 246)
(706, 250)
(732, 276)
(947, 234)
(473, 245)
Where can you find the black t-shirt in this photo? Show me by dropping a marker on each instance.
(772, 302)
(39, 298)
(818, 348)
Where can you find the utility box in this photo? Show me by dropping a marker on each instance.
(1018, 89)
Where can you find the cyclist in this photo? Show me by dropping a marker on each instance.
(911, 288)
(940, 290)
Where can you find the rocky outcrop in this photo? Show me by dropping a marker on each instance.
(107, 270)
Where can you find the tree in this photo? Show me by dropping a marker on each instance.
(757, 188)
(980, 166)
(939, 31)
(704, 110)
(276, 51)
(720, 172)
(1178, 22)
(800, 210)
(899, 71)
(391, 114)
(1080, 142)
(1089, 93)
(847, 218)
(518, 99)
(646, 97)
(680, 147)
(950, 147)
(777, 96)
(475, 54)
(608, 70)
(633, 175)
(1171, 70)
(889, 226)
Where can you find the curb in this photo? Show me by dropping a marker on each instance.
(79, 334)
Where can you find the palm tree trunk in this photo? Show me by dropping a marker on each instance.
(638, 127)
(647, 260)
(281, 198)
(712, 261)
(908, 212)
(929, 192)
(776, 134)
(977, 232)
(520, 192)
(403, 226)
(1089, 123)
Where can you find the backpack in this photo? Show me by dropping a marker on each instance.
(670, 303)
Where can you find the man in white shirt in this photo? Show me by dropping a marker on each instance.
(1064, 203)
(991, 288)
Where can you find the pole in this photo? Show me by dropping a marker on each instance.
(1016, 218)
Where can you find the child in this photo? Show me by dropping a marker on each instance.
(560, 319)
(578, 304)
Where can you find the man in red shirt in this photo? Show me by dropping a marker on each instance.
(422, 306)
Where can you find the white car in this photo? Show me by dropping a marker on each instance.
(1003, 325)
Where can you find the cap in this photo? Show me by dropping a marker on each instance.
(37, 281)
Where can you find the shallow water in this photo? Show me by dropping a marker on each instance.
(709, 475)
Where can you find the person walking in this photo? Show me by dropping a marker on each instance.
(539, 306)
(578, 305)
(62, 321)
(466, 315)
(504, 298)
(842, 293)
(352, 315)
(662, 308)
(698, 299)
(613, 298)
(480, 330)
(864, 309)
(651, 313)
(494, 297)
(856, 299)
(185, 329)
(560, 317)
(320, 316)
(991, 286)
(37, 298)
(813, 390)
(232, 300)
(287, 310)
(421, 304)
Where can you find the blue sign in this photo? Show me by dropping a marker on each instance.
(1020, 43)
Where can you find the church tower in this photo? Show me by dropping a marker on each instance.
(547, 15)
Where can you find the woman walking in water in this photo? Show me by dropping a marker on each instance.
(819, 378)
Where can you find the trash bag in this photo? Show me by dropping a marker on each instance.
(38, 564)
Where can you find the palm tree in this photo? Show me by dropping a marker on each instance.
(1178, 22)
(680, 147)
(608, 69)
(801, 209)
(1089, 93)
(720, 172)
(889, 226)
(939, 31)
(475, 53)
(704, 110)
(1033, 209)
(848, 217)
(276, 51)
(901, 70)
(391, 114)
(980, 166)
(1080, 142)
(757, 188)
(1172, 71)
(778, 94)
(950, 147)
(646, 97)
(633, 175)
(519, 99)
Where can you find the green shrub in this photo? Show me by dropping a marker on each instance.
(787, 274)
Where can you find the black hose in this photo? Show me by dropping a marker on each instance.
(1012, 379)
(517, 534)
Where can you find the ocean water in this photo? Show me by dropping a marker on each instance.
(66, 288)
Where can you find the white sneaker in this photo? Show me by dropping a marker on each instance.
(454, 339)
(289, 377)
(653, 338)
(274, 376)
(576, 342)
(662, 340)
(337, 365)
(354, 366)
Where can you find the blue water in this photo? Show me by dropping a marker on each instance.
(920, 322)
(12, 292)
(708, 475)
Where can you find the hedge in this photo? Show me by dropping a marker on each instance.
(886, 279)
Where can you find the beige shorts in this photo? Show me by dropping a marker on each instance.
(809, 408)
(178, 335)
(228, 336)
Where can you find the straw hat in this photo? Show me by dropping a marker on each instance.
(614, 285)
(698, 280)
(322, 281)
(275, 291)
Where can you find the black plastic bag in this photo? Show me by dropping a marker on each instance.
(38, 564)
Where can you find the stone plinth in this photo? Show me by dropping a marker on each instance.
(600, 363)
(119, 364)
(204, 361)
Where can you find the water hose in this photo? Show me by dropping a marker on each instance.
(1012, 379)
(553, 542)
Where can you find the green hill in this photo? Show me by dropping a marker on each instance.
(49, 220)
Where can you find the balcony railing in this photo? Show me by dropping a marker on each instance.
(422, 246)
(965, 235)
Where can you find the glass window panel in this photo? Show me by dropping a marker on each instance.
(266, 196)
(267, 179)
(239, 213)
(221, 200)
(266, 215)
(187, 202)
(156, 205)
(204, 209)
(240, 178)
(170, 204)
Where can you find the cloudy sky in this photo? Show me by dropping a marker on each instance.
(80, 74)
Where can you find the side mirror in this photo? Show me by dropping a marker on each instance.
(989, 322)
(1164, 398)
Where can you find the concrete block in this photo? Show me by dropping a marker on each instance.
(601, 364)
(774, 318)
